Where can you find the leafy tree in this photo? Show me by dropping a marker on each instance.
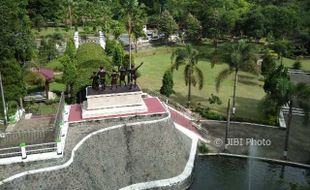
(167, 84)
(193, 28)
(275, 97)
(110, 46)
(117, 29)
(38, 22)
(279, 21)
(167, 24)
(286, 92)
(118, 55)
(281, 47)
(47, 50)
(127, 62)
(70, 49)
(49, 10)
(188, 56)
(268, 64)
(219, 17)
(13, 82)
(16, 38)
(253, 23)
(69, 73)
(238, 56)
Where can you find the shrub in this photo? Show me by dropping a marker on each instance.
(203, 148)
(167, 84)
(91, 55)
(297, 64)
(208, 114)
(34, 78)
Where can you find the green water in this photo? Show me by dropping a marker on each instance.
(225, 173)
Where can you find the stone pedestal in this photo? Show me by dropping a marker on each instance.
(112, 102)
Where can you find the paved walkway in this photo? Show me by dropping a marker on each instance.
(180, 119)
(154, 106)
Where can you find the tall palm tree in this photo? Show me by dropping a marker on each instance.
(239, 56)
(298, 95)
(188, 56)
(130, 8)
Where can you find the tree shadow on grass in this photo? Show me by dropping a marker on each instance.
(248, 82)
(182, 99)
(246, 77)
(249, 109)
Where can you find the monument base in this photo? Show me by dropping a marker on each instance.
(113, 102)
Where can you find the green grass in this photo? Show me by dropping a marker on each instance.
(45, 109)
(249, 91)
(305, 63)
(55, 65)
(52, 30)
(57, 87)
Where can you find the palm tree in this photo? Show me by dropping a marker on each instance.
(297, 95)
(130, 8)
(239, 56)
(188, 56)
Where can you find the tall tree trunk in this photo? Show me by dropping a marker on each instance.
(288, 126)
(234, 92)
(136, 45)
(227, 124)
(70, 15)
(68, 90)
(215, 43)
(189, 95)
(129, 39)
(46, 88)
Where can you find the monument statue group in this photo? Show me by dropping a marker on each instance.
(99, 78)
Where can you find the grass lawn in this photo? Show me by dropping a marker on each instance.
(305, 63)
(52, 30)
(55, 64)
(249, 90)
(57, 87)
(45, 109)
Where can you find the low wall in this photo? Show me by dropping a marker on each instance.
(114, 159)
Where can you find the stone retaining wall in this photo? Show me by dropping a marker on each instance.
(117, 158)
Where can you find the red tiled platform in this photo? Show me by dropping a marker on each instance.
(153, 104)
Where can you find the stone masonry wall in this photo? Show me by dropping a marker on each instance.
(118, 158)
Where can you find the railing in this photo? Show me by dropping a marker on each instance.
(193, 119)
(30, 149)
(9, 139)
(10, 152)
(59, 116)
(34, 141)
(41, 148)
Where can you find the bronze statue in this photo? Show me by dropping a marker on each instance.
(95, 81)
(133, 74)
(102, 76)
(114, 76)
(122, 71)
